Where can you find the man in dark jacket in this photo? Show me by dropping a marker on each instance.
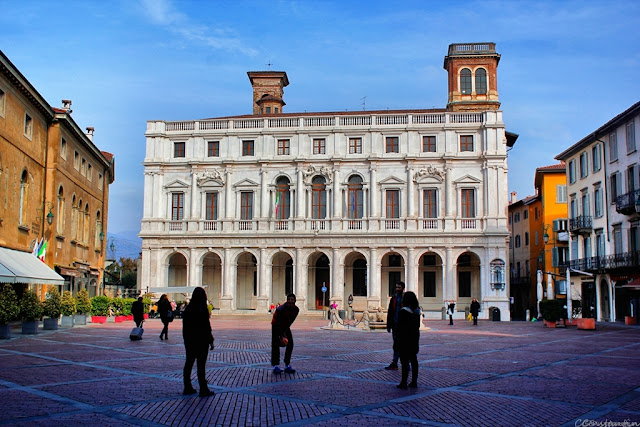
(395, 304)
(137, 310)
(474, 309)
(283, 318)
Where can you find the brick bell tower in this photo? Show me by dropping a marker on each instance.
(268, 91)
(473, 77)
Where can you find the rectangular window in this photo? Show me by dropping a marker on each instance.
(177, 206)
(616, 186)
(76, 160)
(464, 284)
(100, 181)
(536, 239)
(598, 202)
(178, 149)
(631, 179)
(319, 145)
(428, 144)
(631, 137)
(572, 171)
(247, 147)
(595, 157)
(63, 148)
(430, 206)
(211, 213)
(613, 147)
(89, 172)
(83, 167)
(617, 239)
(393, 203)
(283, 147)
(561, 194)
(429, 284)
(466, 142)
(268, 110)
(28, 125)
(2, 102)
(318, 200)
(213, 149)
(355, 145)
(600, 244)
(573, 208)
(246, 205)
(391, 144)
(584, 165)
(586, 206)
(468, 203)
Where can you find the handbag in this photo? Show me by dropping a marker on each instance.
(470, 317)
(170, 316)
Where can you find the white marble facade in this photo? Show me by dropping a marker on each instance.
(254, 207)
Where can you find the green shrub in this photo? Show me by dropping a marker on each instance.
(146, 300)
(30, 306)
(126, 308)
(100, 305)
(52, 303)
(117, 304)
(67, 304)
(83, 303)
(9, 307)
(552, 310)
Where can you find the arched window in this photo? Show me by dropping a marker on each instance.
(481, 81)
(60, 221)
(24, 186)
(465, 81)
(79, 221)
(360, 278)
(74, 218)
(318, 198)
(96, 242)
(283, 198)
(85, 224)
(355, 197)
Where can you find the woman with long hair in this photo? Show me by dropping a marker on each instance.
(164, 307)
(408, 338)
(198, 339)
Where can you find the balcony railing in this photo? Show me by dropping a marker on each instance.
(580, 224)
(629, 203)
(625, 260)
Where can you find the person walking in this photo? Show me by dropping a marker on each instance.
(474, 308)
(283, 318)
(395, 304)
(198, 339)
(408, 338)
(137, 310)
(450, 310)
(166, 315)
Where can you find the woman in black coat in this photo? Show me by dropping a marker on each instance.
(164, 307)
(408, 338)
(198, 339)
(474, 309)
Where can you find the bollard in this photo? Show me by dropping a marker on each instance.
(528, 316)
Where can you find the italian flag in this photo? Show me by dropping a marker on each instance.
(277, 206)
(42, 252)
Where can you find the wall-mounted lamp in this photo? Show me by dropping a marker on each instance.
(545, 237)
(101, 235)
(50, 217)
(112, 247)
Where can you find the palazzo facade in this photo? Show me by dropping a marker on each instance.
(254, 207)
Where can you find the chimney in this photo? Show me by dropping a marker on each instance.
(89, 133)
(514, 197)
(66, 105)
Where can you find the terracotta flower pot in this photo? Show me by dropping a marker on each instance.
(629, 320)
(586, 323)
(550, 324)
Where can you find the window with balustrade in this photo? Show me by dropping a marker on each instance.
(466, 142)
(391, 144)
(428, 144)
(465, 81)
(430, 203)
(283, 147)
(246, 205)
(393, 203)
(213, 148)
(318, 198)
(319, 146)
(211, 206)
(283, 201)
(355, 145)
(178, 149)
(468, 205)
(247, 147)
(481, 81)
(177, 206)
(355, 197)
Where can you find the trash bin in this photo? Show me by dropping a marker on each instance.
(495, 315)
(342, 314)
(466, 313)
(444, 313)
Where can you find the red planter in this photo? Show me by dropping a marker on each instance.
(145, 316)
(120, 319)
(129, 316)
(98, 319)
(629, 320)
(585, 323)
(550, 324)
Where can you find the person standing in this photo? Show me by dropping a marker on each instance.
(283, 318)
(137, 310)
(407, 340)
(474, 309)
(395, 304)
(166, 315)
(450, 310)
(198, 339)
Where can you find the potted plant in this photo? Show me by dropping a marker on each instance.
(552, 311)
(9, 310)
(117, 304)
(83, 307)
(30, 312)
(67, 309)
(126, 308)
(51, 309)
(100, 308)
(146, 301)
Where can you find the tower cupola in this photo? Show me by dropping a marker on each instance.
(268, 91)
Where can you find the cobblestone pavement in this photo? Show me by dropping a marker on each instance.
(497, 373)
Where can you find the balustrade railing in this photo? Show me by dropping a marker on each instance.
(628, 203)
(176, 225)
(392, 224)
(211, 226)
(582, 222)
(430, 223)
(468, 224)
(630, 260)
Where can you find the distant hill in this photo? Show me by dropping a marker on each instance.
(127, 244)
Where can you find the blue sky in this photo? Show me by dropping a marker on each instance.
(567, 67)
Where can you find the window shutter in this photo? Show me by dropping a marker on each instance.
(554, 256)
(556, 225)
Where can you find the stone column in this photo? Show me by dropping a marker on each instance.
(375, 207)
(374, 287)
(448, 276)
(263, 297)
(192, 278)
(337, 287)
(300, 283)
(226, 300)
(149, 194)
(410, 196)
(411, 269)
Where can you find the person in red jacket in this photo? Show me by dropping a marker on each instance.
(283, 318)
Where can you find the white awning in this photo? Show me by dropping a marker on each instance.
(173, 290)
(23, 267)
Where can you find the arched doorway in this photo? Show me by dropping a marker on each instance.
(355, 276)
(392, 273)
(177, 270)
(212, 278)
(319, 275)
(281, 277)
(468, 266)
(246, 281)
(605, 313)
(430, 291)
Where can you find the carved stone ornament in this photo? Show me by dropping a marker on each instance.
(428, 171)
(312, 171)
(214, 174)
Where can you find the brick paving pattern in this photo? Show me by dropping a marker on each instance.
(495, 374)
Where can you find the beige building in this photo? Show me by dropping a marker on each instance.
(334, 206)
